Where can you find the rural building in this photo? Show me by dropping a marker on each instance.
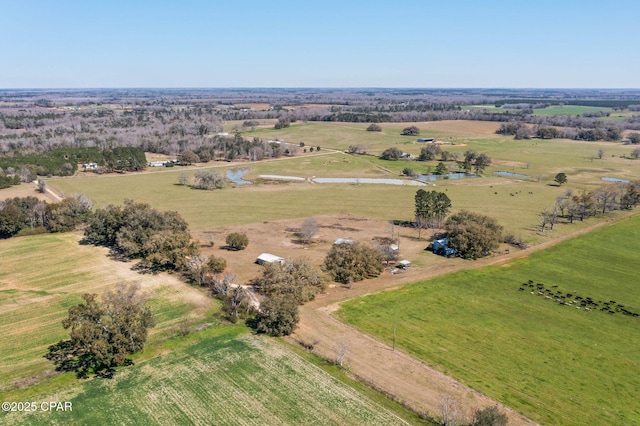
(342, 241)
(441, 247)
(161, 163)
(90, 166)
(404, 264)
(269, 258)
(426, 140)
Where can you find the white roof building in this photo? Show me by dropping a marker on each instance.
(269, 258)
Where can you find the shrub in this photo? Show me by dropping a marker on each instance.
(410, 131)
(374, 128)
(237, 241)
(278, 315)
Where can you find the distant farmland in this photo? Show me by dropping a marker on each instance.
(555, 364)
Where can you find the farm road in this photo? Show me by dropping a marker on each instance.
(416, 384)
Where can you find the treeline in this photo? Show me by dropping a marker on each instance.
(64, 161)
(521, 130)
(29, 213)
(605, 199)
(600, 103)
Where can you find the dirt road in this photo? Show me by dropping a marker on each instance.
(417, 385)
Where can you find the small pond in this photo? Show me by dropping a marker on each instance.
(616, 180)
(368, 180)
(456, 175)
(511, 174)
(235, 176)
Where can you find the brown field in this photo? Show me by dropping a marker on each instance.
(279, 238)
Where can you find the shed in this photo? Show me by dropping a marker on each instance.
(268, 258)
(404, 264)
(426, 140)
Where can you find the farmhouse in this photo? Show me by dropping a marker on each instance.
(441, 247)
(269, 258)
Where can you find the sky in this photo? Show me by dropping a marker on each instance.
(286, 43)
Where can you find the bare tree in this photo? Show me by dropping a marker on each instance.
(341, 350)
(308, 229)
(606, 197)
(198, 268)
(636, 153)
(600, 154)
(450, 411)
(183, 179)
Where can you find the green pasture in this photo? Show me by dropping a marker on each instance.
(41, 277)
(508, 200)
(221, 376)
(515, 202)
(555, 364)
(569, 110)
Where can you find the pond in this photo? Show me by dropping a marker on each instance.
(356, 181)
(235, 176)
(456, 175)
(511, 174)
(616, 180)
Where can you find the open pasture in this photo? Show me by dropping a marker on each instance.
(42, 276)
(514, 203)
(223, 376)
(555, 364)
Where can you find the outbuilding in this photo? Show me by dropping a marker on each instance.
(269, 258)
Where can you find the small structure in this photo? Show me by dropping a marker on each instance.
(90, 166)
(442, 248)
(342, 241)
(404, 264)
(269, 258)
(426, 140)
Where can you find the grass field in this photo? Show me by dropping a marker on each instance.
(569, 110)
(539, 159)
(221, 376)
(42, 276)
(555, 364)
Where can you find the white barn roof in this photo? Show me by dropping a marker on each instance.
(269, 258)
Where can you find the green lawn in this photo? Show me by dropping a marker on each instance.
(569, 110)
(222, 376)
(555, 364)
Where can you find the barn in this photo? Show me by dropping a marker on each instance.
(269, 258)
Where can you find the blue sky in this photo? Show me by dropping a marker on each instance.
(282, 43)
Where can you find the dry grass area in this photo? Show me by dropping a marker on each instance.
(279, 238)
(24, 190)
